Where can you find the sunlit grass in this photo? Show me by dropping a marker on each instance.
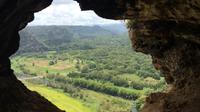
(92, 101)
(41, 66)
(60, 99)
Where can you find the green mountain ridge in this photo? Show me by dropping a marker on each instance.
(29, 43)
(44, 38)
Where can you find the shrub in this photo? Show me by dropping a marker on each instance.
(85, 69)
(51, 62)
(131, 23)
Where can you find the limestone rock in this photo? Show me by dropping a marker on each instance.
(169, 30)
(15, 97)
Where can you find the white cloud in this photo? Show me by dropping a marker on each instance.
(62, 1)
(68, 12)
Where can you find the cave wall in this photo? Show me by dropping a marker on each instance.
(14, 96)
(166, 29)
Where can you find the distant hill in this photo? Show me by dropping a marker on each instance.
(29, 43)
(115, 28)
(42, 38)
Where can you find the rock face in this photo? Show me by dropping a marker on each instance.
(169, 30)
(166, 29)
(14, 96)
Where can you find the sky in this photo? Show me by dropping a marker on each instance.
(68, 12)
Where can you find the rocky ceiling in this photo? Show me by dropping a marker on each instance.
(169, 30)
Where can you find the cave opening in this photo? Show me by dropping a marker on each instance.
(161, 29)
(86, 57)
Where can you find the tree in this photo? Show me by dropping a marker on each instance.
(92, 65)
(77, 66)
(85, 69)
(51, 63)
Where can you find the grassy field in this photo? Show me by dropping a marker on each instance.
(60, 99)
(106, 103)
(92, 102)
(40, 66)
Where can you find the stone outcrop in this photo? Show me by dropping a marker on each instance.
(169, 30)
(14, 96)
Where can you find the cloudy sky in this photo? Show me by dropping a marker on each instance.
(68, 12)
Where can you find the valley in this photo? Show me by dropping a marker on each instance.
(91, 68)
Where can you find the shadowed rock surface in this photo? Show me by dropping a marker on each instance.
(166, 29)
(169, 31)
(14, 96)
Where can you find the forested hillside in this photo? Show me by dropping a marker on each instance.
(41, 38)
(29, 43)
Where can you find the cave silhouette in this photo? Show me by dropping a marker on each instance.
(164, 30)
